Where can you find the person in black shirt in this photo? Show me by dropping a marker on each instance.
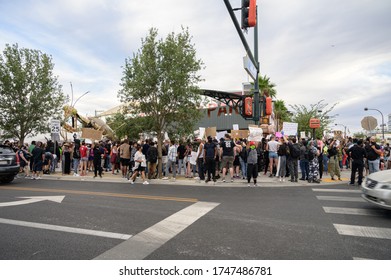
(357, 153)
(373, 155)
(210, 152)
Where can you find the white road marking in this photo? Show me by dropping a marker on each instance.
(336, 190)
(362, 259)
(66, 229)
(360, 231)
(341, 198)
(32, 199)
(351, 211)
(146, 242)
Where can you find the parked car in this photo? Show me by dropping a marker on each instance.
(9, 167)
(376, 189)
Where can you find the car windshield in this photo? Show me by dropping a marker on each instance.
(5, 150)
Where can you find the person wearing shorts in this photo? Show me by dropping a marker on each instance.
(227, 156)
(124, 152)
(140, 165)
(272, 147)
(83, 158)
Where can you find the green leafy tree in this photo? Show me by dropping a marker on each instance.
(320, 110)
(29, 92)
(160, 81)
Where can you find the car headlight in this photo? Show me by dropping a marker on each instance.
(386, 186)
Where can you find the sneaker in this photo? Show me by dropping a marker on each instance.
(207, 180)
(38, 178)
(255, 185)
(132, 182)
(146, 183)
(351, 184)
(248, 185)
(165, 178)
(232, 180)
(223, 180)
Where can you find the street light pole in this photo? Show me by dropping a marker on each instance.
(382, 118)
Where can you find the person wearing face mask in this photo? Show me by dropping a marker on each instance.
(210, 153)
(252, 164)
(373, 155)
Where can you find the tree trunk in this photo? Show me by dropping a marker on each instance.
(159, 153)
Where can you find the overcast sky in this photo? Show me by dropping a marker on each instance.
(339, 51)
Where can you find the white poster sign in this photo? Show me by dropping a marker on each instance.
(193, 158)
(256, 134)
(290, 129)
(302, 134)
(235, 127)
(221, 134)
(202, 132)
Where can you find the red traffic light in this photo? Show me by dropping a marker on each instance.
(249, 13)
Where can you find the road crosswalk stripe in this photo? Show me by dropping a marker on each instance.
(66, 229)
(341, 198)
(143, 244)
(351, 211)
(336, 190)
(361, 231)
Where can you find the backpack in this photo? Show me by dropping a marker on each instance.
(295, 151)
(309, 154)
(152, 155)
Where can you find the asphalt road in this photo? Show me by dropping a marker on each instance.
(101, 220)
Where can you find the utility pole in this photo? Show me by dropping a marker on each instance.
(253, 58)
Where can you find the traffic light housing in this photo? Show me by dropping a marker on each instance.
(248, 107)
(249, 13)
(268, 106)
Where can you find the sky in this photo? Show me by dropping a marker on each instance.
(336, 51)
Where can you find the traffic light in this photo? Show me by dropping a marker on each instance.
(268, 106)
(248, 107)
(249, 13)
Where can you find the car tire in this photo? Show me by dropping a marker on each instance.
(7, 179)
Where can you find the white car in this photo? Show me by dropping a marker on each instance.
(376, 189)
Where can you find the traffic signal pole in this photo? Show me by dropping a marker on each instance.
(253, 59)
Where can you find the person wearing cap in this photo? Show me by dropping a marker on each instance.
(210, 153)
(252, 164)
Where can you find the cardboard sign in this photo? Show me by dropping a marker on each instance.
(237, 134)
(91, 133)
(210, 131)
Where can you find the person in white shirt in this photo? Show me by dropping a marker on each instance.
(172, 155)
(140, 163)
(272, 147)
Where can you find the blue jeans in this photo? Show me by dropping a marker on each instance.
(373, 166)
(243, 166)
(305, 169)
(76, 162)
(173, 167)
(180, 165)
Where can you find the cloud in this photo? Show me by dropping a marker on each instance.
(339, 51)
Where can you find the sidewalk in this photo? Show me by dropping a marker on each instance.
(262, 180)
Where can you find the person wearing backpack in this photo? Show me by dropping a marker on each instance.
(293, 159)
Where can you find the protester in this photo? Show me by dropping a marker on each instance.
(210, 153)
(252, 164)
(139, 167)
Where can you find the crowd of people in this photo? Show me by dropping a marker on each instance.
(210, 159)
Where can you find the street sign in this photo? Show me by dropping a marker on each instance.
(250, 67)
(55, 126)
(369, 123)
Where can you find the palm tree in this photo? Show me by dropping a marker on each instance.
(281, 113)
(266, 85)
